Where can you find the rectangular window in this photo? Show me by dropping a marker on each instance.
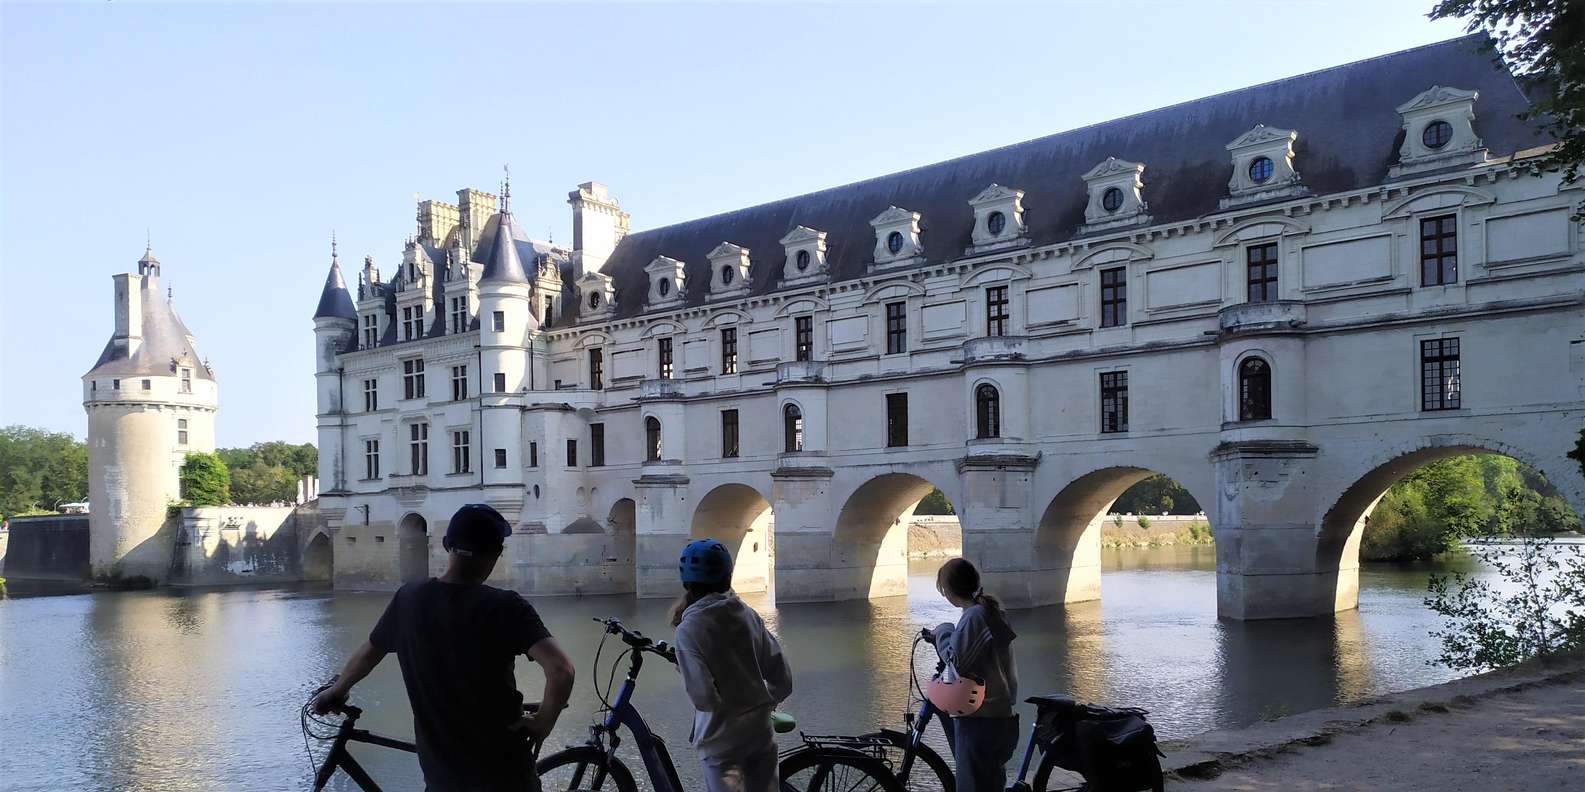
(596, 445)
(572, 453)
(1261, 261)
(413, 379)
(500, 382)
(1440, 378)
(459, 383)
(459, 315)
(500, 458)
(148, 384)
(407, 323)
(1439, 250)
(498, 321)
(418, 449)
(896, 328)
(1114, 401)
(804, 337)
(550, 312)
(371, 330)
(181, 431)
(460, 456)
(371, 459)
(533, 455)
(996, 311)
(729, 350)
(729, 449)
(115, 384)
(371, 395)
(187, 380)
(896, 419)
(597, 369)
(664, 358)
(1114, 297)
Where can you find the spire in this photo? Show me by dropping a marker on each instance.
(148, 265)
(334, 301)
(502, 263)
(506, 190)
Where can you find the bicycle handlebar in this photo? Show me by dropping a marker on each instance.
(638, 641)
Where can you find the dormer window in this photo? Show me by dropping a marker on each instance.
(1115, 200)
(594, 300)
(1438, 132)
(1112, 199)
(998, 220)
(665, 282)
(805, 250)
(729, 270)
(594, 291)
(1260, 170)
(665, 286)
(726, 276)
(897, 238)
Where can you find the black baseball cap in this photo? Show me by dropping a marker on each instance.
(477, 528)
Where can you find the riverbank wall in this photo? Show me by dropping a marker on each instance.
(46, 547)
(940, 535)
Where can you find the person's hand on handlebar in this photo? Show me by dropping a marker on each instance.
(535, 725)
(927, 636)
(330, 698)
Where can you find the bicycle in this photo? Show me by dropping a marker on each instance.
(1057, 734)
(339, 758)
(594, 765)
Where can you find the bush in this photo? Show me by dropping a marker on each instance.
(1537, 608)
(1144, 522)
(934, 503)
(205, 480)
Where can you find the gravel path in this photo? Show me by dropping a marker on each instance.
(1527, 739)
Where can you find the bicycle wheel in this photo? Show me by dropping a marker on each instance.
(930, 772)
(584, 769)
(835, 770)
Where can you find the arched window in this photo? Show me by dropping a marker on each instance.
(1254, 390)
(793, 427)
(652, 438)
(987, 412)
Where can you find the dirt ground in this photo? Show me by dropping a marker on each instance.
(1529, 739)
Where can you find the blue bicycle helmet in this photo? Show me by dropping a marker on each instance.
(705, 561)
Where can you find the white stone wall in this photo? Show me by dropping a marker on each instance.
(1342, 342)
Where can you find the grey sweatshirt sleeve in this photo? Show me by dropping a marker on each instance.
(696, 677)
(967, 644)
(773, 664)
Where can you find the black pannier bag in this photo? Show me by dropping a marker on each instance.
(1113, 748)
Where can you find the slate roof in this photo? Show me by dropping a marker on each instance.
(1348, 137)
(164, 345)
(335, 300)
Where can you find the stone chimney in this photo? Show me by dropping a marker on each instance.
(598, 224)
(474, 209)
(129, 312)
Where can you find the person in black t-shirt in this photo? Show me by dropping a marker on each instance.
(457, 639)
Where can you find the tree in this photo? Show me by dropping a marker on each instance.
(934, 503)
(40, 470)
(205, 480)
(1578, 454)
(1543, 42)
(268, 472)
(1156, 495)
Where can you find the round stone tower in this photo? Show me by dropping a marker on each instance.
(150, 400)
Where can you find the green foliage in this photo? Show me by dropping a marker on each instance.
(205, 480)
(934, 503)
(1200, 533)
(1578, 454)
(1537, 608)
(268, 472)
(1144, 522)
(1541, 40)
(1429, 511)
(40, 470)
(1156, 495)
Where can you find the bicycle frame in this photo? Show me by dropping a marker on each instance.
(340, 758)
(657, 760)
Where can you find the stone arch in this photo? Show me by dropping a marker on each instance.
(412, 548)
(741, 518)
(1067, 540)
(1343, 525)
(869, 545)
(318, 562)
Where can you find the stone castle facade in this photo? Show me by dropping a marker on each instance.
(1285, 297)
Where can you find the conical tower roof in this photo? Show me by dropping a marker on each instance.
(499, 256)
(335, 300)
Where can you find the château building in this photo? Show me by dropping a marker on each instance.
(1285, 297)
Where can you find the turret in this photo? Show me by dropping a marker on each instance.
(150, 400)
(335, 329)
(507, 327)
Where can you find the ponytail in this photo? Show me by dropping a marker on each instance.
(960, 577)
(691, 593)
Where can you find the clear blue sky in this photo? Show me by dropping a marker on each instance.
(240, 136)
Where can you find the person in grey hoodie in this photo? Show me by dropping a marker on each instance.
(979, 646)
(733, 671)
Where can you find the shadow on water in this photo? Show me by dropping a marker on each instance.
(199, 690)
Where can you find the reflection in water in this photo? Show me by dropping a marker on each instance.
(200, 691)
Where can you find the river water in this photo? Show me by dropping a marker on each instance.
(201, 690)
